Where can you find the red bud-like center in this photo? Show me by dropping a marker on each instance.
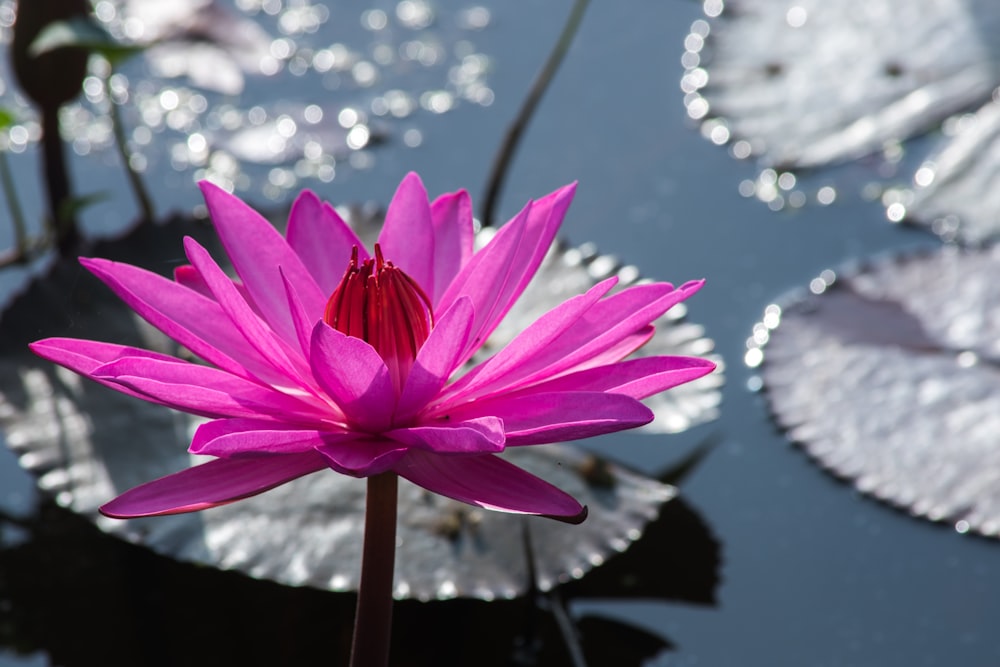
(378, 303)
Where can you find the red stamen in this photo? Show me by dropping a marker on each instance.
(378, 303)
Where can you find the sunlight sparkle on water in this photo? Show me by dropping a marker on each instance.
(796, 16)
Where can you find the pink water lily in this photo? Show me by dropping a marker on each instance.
(325, 355)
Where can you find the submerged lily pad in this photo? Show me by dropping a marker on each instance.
(888, 376)
(87, 444)
(805, 83)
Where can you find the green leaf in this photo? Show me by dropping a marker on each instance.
(7, 118)
(74, 205)
(81, 32)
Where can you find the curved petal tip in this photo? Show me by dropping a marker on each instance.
(574, 519)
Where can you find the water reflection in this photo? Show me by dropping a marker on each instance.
(74, 583)
(188, 105)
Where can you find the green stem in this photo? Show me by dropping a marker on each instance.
(63, 219)
(14, 206)
(373, 620)
(138, 187)
(501, 163)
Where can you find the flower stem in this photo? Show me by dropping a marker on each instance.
(373, 620)
(501, 163)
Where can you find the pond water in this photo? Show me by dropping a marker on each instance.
(809, 573)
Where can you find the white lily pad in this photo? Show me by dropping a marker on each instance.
(888, 376)
(804, 83)
(956, 191)
(87, 444)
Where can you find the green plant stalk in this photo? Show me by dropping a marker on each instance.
(501, 163)
(373, 620)
(62, 218)
(14, 206)
(135, 180)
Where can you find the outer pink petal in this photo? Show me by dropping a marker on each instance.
(521, 357)
(637, 378)
(355, 377)
(532, 419)
(188, 276)
(483, 435)
(260, 337)
(228, 438)
(487, 275)
(489, 482)
(211, 484)
(440, 355)
(454, 239)
(407, 238)
(83, 356)
(202, 390)
(510, 260)
(257, 250)
(362, 458)
(196, 322)
(322, 240)
(604, 334)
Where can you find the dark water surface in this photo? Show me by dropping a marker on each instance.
(811, 572)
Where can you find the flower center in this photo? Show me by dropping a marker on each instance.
(378, 303)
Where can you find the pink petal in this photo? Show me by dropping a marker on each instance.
(202, 390)
(303, 321)
(83, 356)
(257, 250)
(604, 334)
(242, 317)
(192, 320)
(510, 259)
(484, 435)
(188, 276)
(454, 238)
(322, 240)
(637, 378)
(525, 353)
(494, 261)
(355, 377)
(536, 418)
(362, 458)
(227, 438)
(489, 482)
(631, 310)
(407, 237)
(619, 350)
(211, 484)
(440, 355)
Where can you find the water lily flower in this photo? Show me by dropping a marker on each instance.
(327, 354)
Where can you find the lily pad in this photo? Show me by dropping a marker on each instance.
(804, 83)
(887, 375)
(956, 191)
(87, 444)
(204, 40)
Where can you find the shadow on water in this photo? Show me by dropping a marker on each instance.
(87, 599)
